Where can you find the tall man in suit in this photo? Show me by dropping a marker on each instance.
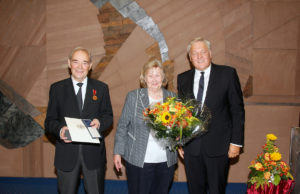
(84, 98)
(207, 157)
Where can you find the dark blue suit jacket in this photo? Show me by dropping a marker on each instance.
(224, 99)
(63, 103)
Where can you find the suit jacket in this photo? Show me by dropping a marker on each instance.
(225, 101)
(132, 134)
(63, 103)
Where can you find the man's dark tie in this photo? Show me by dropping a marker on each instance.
(79, 96)
(201, 88)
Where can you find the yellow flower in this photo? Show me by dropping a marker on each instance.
(275, 156)
(267, 175)
(166, 104)
(157, 119)
(258, 166)
(267, 156)
(271, 137)
(166, 117)
(173, 109)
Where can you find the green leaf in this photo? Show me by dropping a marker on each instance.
(276, 179)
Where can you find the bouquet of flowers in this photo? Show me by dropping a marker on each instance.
(177, 122)
(268, 168)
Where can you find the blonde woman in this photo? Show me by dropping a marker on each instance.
(149, 165)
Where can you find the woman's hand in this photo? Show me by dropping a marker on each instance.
(181, 152)
(118, 162)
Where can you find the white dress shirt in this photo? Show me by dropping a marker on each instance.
(196, 81)
(83, 88)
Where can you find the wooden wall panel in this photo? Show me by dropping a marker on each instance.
(275, 48)
(271, 15)
(39, 93)
(297, 88)
(25, 68)
(33, 159)
(22, 43)
(11, 162)
(48, 151)
(70, 24)
(282, 37)
(270, 64)
(22, 22)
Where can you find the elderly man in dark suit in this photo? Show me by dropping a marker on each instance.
(84, 98)
(207, 157)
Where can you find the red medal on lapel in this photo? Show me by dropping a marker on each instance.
(94, 95)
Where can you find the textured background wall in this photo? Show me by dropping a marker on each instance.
(261, 39)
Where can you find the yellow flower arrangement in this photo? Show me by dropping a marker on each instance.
(276, 156)
(177, 121)
(268, 167)
(271, 137)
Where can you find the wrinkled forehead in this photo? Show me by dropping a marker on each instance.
(81, 55)
(154, 69)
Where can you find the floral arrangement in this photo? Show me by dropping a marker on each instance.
(177, 122)
(268, 166)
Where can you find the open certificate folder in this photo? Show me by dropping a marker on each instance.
(81, 131)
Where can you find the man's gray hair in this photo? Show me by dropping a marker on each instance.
(79, 48)
(198, 39)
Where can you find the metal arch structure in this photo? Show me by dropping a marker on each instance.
(131, 9)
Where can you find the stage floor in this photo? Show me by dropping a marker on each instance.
(13, 185)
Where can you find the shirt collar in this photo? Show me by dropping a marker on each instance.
(206, 71)
(75, 82)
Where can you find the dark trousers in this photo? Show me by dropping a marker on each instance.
(93, 179)
(153, 178)
(206, 173)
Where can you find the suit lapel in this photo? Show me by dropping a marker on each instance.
(210, 86)
(88, 95)
(190, 84)
(71, 96)
(144, 97)
(71, 91)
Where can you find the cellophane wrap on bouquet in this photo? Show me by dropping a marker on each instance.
(175, 122)
(284, 187)
(268, 173)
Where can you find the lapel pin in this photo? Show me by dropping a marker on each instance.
(94, 95)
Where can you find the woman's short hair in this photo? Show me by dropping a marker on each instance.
(79, 48)
(198, 39)
(150, 64)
